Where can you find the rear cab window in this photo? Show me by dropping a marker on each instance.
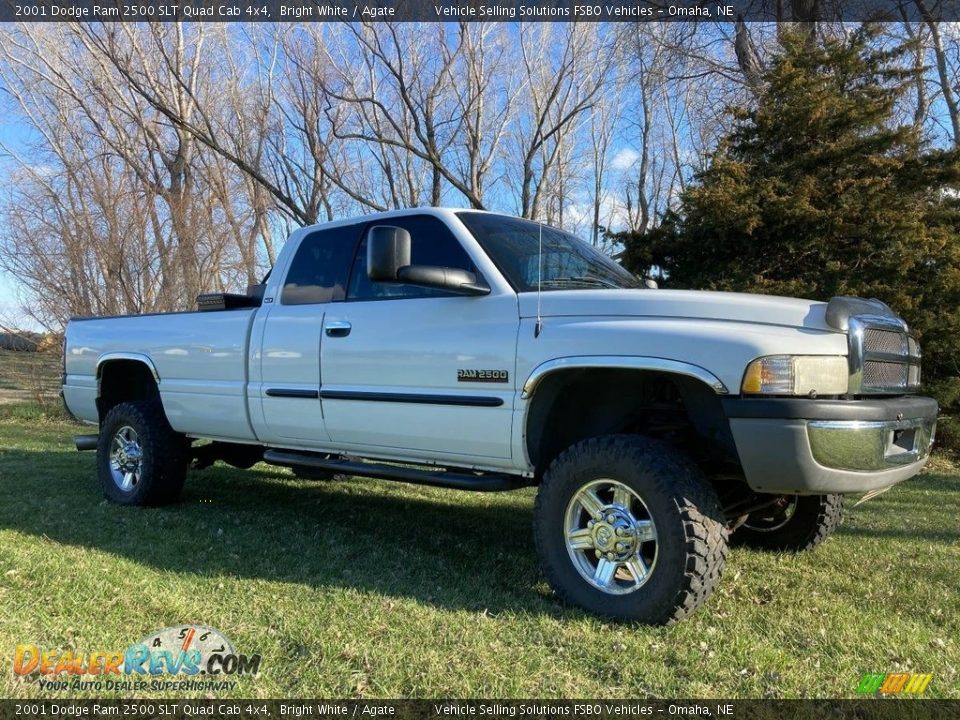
(319, 270)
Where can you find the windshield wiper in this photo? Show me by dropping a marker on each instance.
(581, 280)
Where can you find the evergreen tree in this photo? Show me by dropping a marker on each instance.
(818, 192)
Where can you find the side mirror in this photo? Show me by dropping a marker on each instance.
(388, 261)
(388, 250)
(442, 278)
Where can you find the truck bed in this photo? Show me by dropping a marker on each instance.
(199, 357)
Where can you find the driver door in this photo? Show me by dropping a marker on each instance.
(412, 368)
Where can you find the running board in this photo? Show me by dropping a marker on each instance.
(439, 478)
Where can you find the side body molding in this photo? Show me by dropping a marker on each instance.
(625, 362)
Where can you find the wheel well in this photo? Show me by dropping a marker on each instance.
(572, 405)
(122, 381)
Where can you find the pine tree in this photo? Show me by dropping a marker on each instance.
(818, 192)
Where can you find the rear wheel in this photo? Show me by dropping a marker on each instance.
(628, 528)
(794, 523)
(140, 459)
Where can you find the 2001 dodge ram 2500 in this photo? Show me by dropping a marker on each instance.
(414, 345)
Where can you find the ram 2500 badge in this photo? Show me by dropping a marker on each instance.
(414, 345)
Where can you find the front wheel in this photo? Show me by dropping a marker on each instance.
(626, 527)
(794, 523)
(140, 459)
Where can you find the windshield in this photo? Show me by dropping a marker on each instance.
(568, 262)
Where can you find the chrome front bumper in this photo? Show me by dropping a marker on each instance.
(810, 447)
(865, 446)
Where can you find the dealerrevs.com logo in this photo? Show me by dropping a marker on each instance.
(183, 657)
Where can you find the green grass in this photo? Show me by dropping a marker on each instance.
(377, 589)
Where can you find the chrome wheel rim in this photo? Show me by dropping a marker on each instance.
(126, 459)
(611, 537)
(772, 518)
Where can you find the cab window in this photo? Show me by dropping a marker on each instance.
(318, 273)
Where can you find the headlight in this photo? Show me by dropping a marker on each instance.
(796, 375)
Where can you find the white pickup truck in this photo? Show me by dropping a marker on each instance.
(414, 345)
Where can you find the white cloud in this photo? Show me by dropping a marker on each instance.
(578, 215)
(624, 159)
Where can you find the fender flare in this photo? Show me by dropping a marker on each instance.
(613, 362)
(621, 362)
(136, 357)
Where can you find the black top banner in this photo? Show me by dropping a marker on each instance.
(477, 10)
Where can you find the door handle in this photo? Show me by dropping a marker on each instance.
(337, 328)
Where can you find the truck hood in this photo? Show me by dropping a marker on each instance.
(695, 304)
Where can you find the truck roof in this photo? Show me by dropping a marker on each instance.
(442, 212)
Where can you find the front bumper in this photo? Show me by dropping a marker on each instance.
(813, 447)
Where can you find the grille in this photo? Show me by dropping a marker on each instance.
(884, 358)
(883, 375)
(884, 341)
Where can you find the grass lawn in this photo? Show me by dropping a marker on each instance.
(372, 589)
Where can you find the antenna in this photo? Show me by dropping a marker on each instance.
(539, 325)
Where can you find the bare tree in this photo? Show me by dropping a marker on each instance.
(561, 88)
(914, 35)
(947, 80)
(107, 149)
(747, 56)
(410, 105)
(602, 126)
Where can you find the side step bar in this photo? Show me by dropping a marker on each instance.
(86, 442)
(439, 478)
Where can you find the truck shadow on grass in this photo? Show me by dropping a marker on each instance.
(911, 510)
(452, 549)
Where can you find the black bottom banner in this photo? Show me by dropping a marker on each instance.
(880, 708)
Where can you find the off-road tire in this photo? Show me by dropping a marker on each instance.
(691, 530)
(813, 521)
(165, 455)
